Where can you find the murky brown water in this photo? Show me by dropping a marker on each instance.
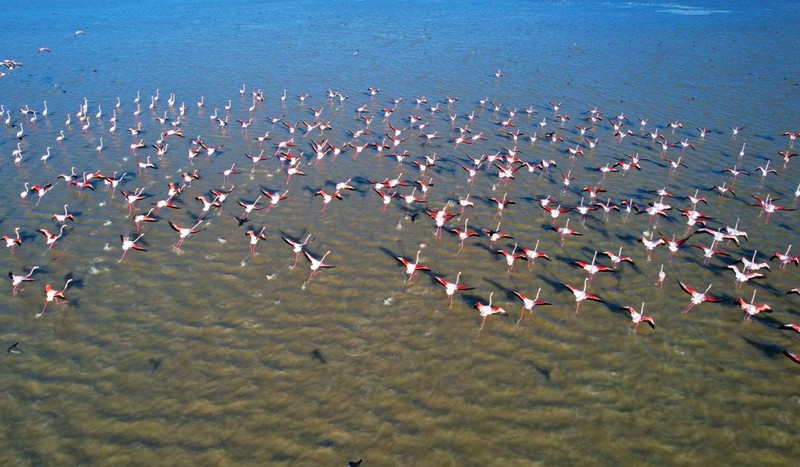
(209, 355)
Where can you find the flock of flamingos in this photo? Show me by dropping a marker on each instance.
(406, 134)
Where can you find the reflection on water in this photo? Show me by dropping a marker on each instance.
(217, 355)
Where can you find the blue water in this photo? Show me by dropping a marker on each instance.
(210, 355)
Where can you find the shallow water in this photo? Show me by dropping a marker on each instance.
(211, 355)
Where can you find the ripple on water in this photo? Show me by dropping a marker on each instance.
(211, 355)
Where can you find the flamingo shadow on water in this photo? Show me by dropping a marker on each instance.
(768, 349)
(768, 321)
(508, 293)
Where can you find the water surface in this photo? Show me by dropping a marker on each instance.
(211, 355)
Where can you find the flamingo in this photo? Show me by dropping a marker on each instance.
(207, 205)
(132, 197)
(743, 276)
(139, 218)
(16, 280)
(495, 235)
(785, 259)
(248, 208)
(793, 356)
(255, 237)
(128, 244)
(618, 258)
(52, 295)
(113, 182)
(649, 244)
(581, 295)
(184, 232)
(637, 317)
(41, 191)
(297, 247)
(452, 287)
(510, 257)
(533, 254)
(327, 198)
(440, 216)
(751, 309)
(316, 264)
(529, 303)
(62, 218)
(463, 234)
(274, 198)
(674, 245)
(790, 326)
(592, 268)
(554, 212)
(661, 276)
(11, 241)
(564, 231)
(697, 297)
(488, 310)
(51, 237)
(412, 268)
(387, 198)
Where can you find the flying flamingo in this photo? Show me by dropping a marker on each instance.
(51, 237)
(529, 303)
(297, 247)
(11, 241)
(697, 297)
(132, 197)
(16, 280)
(495, 235)
(255, 237)
(226, 174)
(113, 182)
(463, 234)
(41, 191)
(128, 244)
(581, 295)
(327, 198)
(751, 265)
(184, 232)
(412, 268)
(793, 356)
(139, 218)
(554, 212)
(784, 258)
(674, 245)
(751, 309)
(592, 268)
(510, 257)
(649, 244)
(52, 295)
(638, 316)
(207, 205)
(488, 310)
(768, 206)
(533, 254)
(440, 216)
(743, 276)
(316, 264)
(564, 231)
(618, 258)
(387, 198)
(452, 287)
(248, 208)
